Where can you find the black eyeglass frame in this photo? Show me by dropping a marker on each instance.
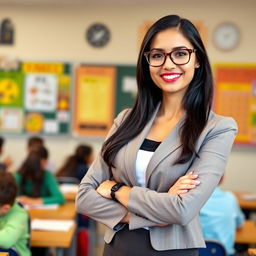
(190, 51)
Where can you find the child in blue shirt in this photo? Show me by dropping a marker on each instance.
(220, 217)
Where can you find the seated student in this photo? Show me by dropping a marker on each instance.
(37, 185)
(14, 230)
(35, 142)
(4, 165)
(76, 165)
(220, 217)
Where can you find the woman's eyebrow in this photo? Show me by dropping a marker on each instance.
(173, 49)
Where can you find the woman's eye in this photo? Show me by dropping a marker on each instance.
(156, 55)
(181, 53)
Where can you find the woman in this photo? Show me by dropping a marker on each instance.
(36, 185)
(144, 186)
(77, 165)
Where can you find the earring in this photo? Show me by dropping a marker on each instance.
(197, 66)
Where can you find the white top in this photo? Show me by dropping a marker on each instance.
(142, 161)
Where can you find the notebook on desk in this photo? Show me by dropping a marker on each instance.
(42, 206)
(52, 225)
(249, 196)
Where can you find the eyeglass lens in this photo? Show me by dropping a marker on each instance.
(179, 57)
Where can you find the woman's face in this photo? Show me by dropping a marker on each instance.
(172, 78)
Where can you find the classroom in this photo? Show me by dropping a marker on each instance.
(54, 37)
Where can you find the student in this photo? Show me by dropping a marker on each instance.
(36, 185)
(34, 143)
(77, 164)
(14, 229)
(4, 165)
(133, 185)
(220, 217)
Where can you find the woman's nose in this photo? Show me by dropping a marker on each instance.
(168, 64)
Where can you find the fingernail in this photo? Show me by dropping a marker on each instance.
(197, 182)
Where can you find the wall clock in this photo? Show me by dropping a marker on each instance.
(226, 36)
(98, 35)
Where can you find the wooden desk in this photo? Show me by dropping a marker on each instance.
(61, 239)
(63, 212)
(4, 253)
(252, 251)
(247, 234)
(244, 203)
(70, 196)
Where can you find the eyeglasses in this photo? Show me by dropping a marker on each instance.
(157, 58)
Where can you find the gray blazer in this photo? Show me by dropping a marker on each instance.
(152, 206)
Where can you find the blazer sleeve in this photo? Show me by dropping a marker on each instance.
(155, 208)
(89, 202)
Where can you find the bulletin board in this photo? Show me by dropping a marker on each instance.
(35, 99)
(94, 100)
(126, 88)
(235, 96)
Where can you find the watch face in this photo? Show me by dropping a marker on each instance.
(98, 35)
(226, 36)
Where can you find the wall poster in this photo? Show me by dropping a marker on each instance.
(35, 99)
(94, 100)
(235, 96)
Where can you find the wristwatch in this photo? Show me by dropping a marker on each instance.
(114, 189)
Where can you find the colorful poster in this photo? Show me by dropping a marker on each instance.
(41, 92)
(235, 96)
(11, 120)
(94, 100)
(11, 88)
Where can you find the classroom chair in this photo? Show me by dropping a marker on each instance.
(68, 180)
(213, 247)
(8, 252)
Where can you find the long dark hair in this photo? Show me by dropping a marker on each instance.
(31, 169)
(81, 155)
(197, 100)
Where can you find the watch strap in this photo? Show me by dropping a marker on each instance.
(114, 189)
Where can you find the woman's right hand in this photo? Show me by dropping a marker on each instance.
(184, 184)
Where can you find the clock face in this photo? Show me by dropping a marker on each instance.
(226, 36)
(98, 35)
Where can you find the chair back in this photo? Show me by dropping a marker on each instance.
(68, 180)
(213, 247)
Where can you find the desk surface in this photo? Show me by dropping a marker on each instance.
(63, 212)
(70, 196)
(4, 254)
(252, 251)
(244, 203)
(247, 234)
(61, 239)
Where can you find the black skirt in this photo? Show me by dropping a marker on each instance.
(137, 243)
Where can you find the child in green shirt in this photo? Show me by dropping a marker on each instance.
(35, 184)
(14, 228)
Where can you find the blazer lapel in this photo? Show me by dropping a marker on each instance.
(132, 149)
(167, 147)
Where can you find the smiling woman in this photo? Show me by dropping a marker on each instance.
(163, 158)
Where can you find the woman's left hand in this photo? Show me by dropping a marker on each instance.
(104, 189)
